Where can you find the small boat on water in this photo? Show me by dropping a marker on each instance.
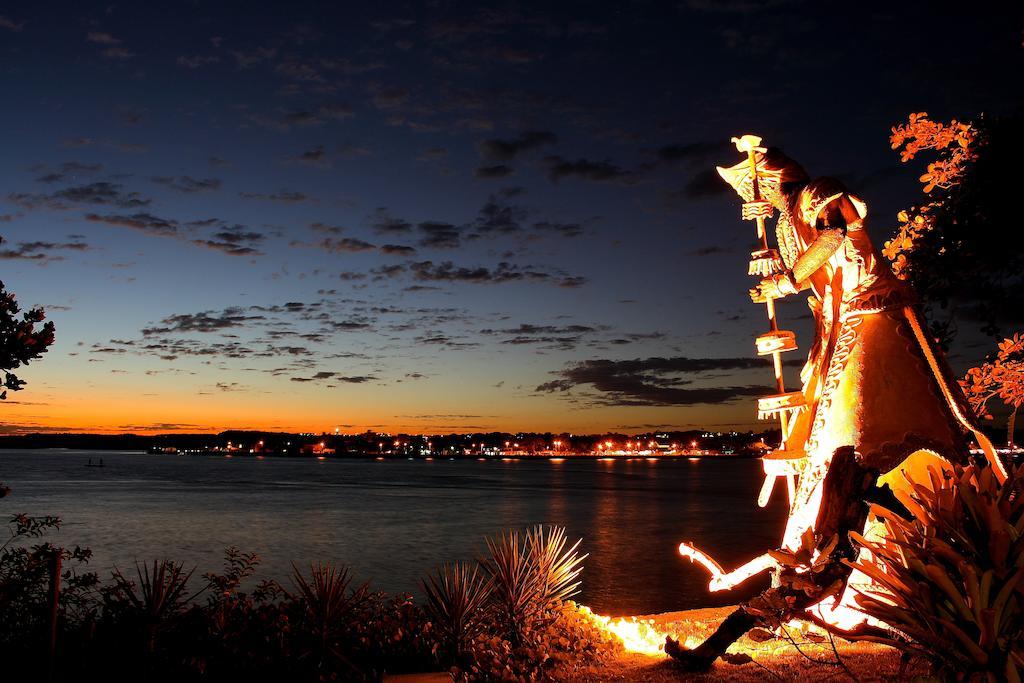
(94, 464)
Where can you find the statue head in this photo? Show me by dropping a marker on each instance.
(777, 174)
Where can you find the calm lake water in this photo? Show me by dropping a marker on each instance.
(394, 520)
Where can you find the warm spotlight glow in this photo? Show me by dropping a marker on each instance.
(636, 635)
(720, 579)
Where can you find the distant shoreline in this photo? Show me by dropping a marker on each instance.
(391, 457)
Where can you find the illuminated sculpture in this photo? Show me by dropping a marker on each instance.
(877, 400)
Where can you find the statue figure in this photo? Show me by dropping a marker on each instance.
(877, 400)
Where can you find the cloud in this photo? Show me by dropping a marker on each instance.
(735, 6)
(562, 229)
(10, 24)
(143, 222)
(326, 229)
(188, 184)
(387, 272)
(507, 150)
(233, 241)
(79, 167)
(285, 120)
(585, 169)
(284, 196)
(710, 250)
(384, 223)
(490, 172)
(162, 426)
(204, 322)
(498, 217)
(397, 250)
(705, 184)
(333, 245)
(102, 38)
(561, 337)
(316, 156)
(388, 97)
(101, 193)
(41, 252)
(530, 329)
(69, 168)
(113, 49)
(196, 61)
(335, 377)
(446, 271)
(210, 233)
(433, 154)
(653, 381)
(258, 55)
(74, 143)
(694, 153)
(93, 193)
(436, 235)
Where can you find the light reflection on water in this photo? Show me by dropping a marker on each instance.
(393, 520)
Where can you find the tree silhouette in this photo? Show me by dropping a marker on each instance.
(1002, 377)
(20, 341)
(962, 248)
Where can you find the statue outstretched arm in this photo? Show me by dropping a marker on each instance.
(817, 254)
(831, 220)
(798, 279)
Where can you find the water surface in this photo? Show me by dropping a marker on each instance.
(394, 520)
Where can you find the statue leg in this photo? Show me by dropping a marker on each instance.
(844, 508)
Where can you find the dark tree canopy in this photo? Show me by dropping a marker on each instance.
(20, 341)
(963, 250)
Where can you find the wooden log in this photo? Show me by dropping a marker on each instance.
(844, 508)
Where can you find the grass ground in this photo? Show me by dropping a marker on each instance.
(773, 660)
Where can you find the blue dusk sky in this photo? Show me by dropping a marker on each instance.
(440, 216)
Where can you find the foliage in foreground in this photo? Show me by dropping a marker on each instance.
(951, 579)
(999, 377)
(508, 617)
(20, 341)
(158, 622)
(954, 246)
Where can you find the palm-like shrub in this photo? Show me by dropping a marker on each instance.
(531, 572)
(557, 568)
(327, 602)
(951, 579)
(516, 584)
(456, 597)
(155, 600)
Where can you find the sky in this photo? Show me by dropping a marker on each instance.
(437, 217)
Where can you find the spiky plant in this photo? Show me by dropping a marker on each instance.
(456, 597)
(327, 604)
(156, 599)
(558, 569)
(950, 580)
(531, 572)
(516, 584)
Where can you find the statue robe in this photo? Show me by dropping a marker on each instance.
(872, 380)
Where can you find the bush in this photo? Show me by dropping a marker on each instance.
(504, 617)
(951, 579)
(456, 597)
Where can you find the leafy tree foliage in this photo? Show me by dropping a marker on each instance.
(1001, 377)
(20, 340)
(962, 248)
